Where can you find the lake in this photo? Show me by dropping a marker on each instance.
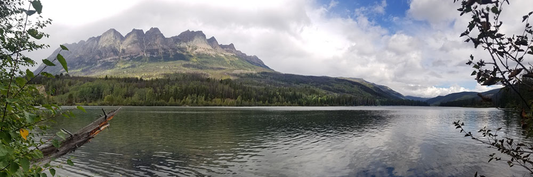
(290, 141)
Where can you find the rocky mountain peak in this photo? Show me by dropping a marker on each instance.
(133, 43)
(229, 48)
(112, 32)
(196, 41)
(154, 32)
(135, 33)
(188, 35)
(214, 44)
(212, 41)
(154, 40)
(111, 38)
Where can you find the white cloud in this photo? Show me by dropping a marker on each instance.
(332, 4)
(380, 8)
(79, 12)
(435, 12)
(303, 37)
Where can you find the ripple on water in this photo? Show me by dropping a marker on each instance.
(351, 141)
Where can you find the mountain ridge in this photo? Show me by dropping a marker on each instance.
(461, 96)
(112, 53)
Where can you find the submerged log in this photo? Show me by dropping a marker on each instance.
(77, 139)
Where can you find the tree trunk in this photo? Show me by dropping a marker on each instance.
(76, 140)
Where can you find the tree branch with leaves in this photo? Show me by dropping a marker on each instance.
(21, 118)
(507, 64)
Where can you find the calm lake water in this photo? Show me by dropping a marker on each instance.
(289, 141)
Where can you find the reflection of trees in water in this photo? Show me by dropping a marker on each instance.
(163, 141)
(423, 143)
(199, 140)
(508, 120)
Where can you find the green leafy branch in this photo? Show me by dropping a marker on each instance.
(518, 152)
(507, 54)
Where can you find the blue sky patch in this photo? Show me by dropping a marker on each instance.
(393, 8)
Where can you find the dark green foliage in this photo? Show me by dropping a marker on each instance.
(21, 123)
(265, 89)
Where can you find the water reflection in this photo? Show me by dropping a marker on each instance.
(331, 141)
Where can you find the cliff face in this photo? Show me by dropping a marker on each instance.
(133, 44)
(111, 50)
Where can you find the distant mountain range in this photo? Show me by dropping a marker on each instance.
(150, 54)
(461, 96)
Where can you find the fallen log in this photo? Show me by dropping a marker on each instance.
(76, 140)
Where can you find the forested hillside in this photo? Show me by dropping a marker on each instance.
(470, 99)
(262, 89)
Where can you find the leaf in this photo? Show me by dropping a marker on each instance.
(476, 43)
(81, 108)
(471, 26)
(37, 154)
(29, 117)
(52, 171)
(63, 47)
(24, 133)
(61, 135)
(20, 81)
(25, 163)
(3, 150)
(35, 34)
(47, 74)
(515, 72)
(495, 10)
(28, 60)
(13, 167)
(29, 73)
(491, 81)
(63, 62)
(70, 162)
(30, 12)
(37, 6)
(4, 136)
(464, 34)
(56, 143)
(48, 62)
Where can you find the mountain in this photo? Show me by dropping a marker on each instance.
(461, 96)
(151, 55)
(416, 98)
(374, 86)
(325, 84)
(387, 90)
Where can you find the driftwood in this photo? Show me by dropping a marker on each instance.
(77, 139)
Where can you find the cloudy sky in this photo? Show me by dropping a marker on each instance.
(412, 46)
